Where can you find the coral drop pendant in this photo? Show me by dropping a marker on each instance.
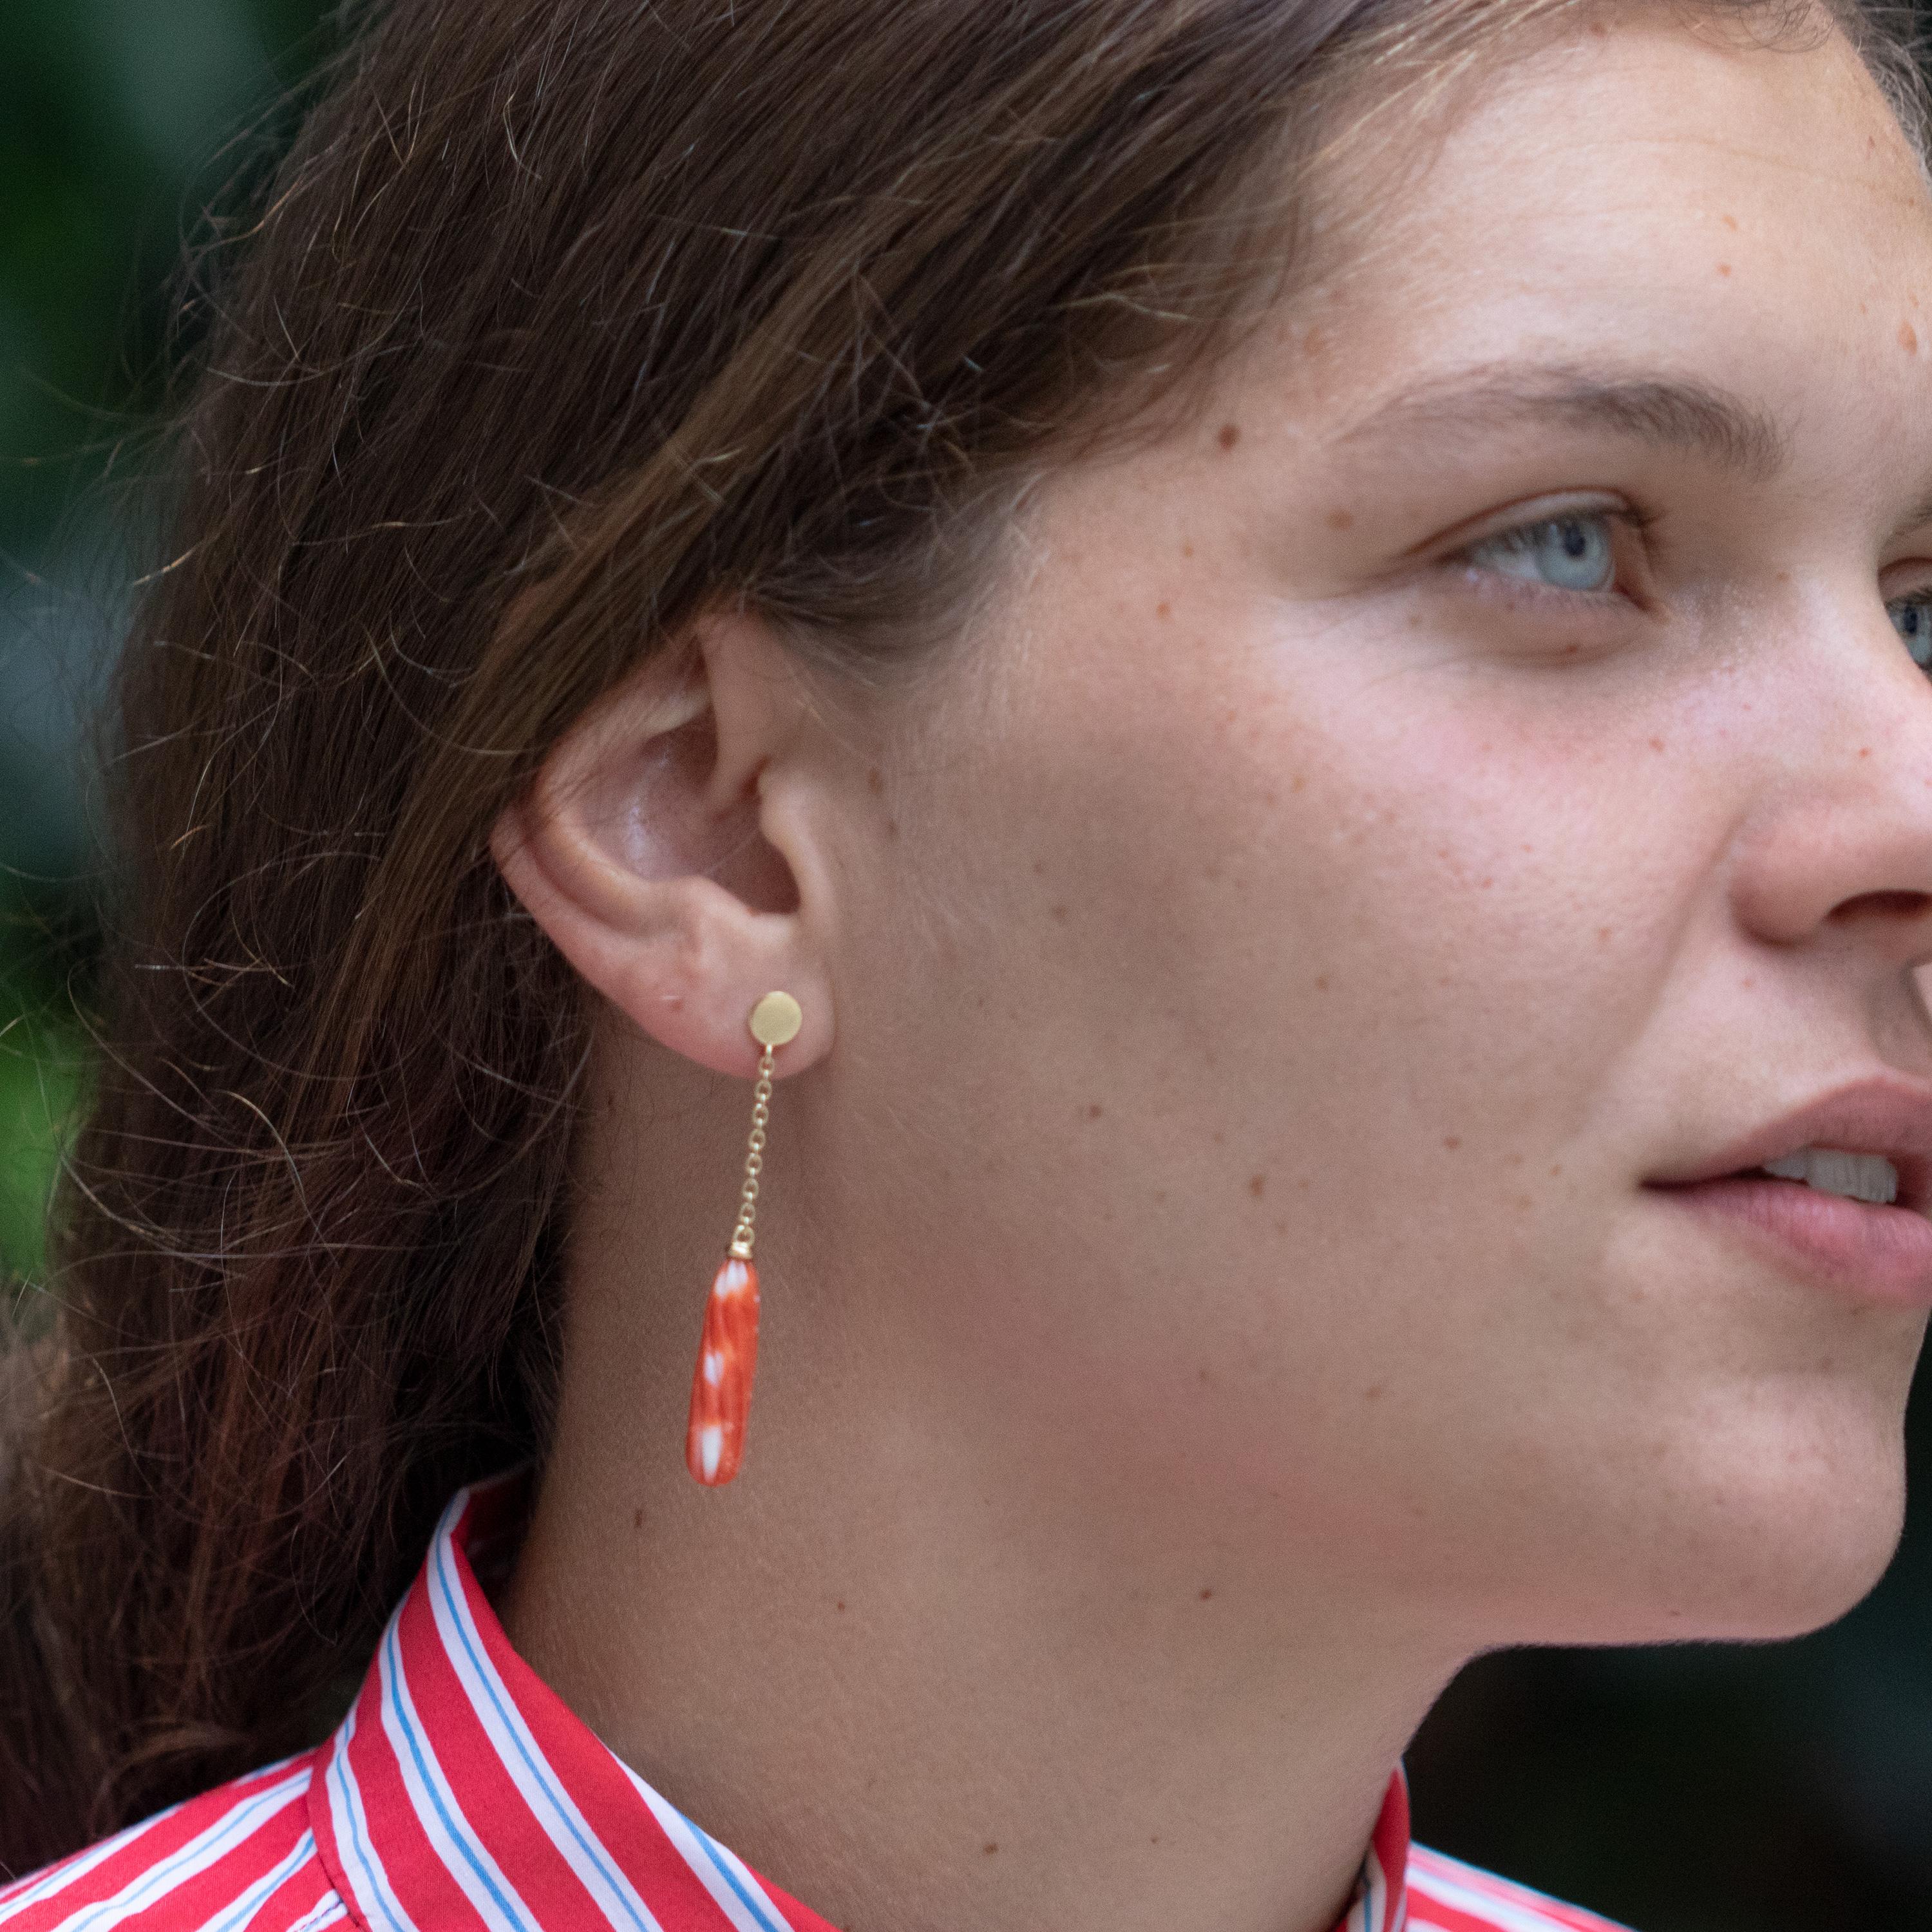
(728, 1355)
(721, 1388)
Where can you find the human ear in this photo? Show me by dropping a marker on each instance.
(669, 847)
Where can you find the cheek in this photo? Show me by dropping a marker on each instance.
(1387, 920)
(1311, 975)
(1303, 1018)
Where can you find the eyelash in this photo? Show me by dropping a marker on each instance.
(1632, 522)
(1627, 519)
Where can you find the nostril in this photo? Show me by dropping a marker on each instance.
(1897, 905)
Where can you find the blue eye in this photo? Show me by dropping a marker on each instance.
(1912, 618)
(1576, 552)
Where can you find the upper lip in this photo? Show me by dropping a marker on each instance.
(1890, 1118)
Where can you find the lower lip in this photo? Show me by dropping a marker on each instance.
(1874, 1253)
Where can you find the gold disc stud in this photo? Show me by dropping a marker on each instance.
(776, 1019)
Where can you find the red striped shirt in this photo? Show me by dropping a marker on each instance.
(460, 1793)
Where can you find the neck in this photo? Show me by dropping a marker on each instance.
(918, 1683)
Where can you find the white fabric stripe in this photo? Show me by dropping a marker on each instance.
(59, 1876)
(551, 1805)
(31, 1890)
(1370, 1913)
(360, 1860)
(332, 1911)
(1511, 1915)
(465, 1857)
(232, 1828)
(761, 1900)
(237, 1916)
(678, 1829)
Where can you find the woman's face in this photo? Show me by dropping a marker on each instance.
(1472, 772)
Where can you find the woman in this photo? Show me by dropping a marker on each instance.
(1296, 633)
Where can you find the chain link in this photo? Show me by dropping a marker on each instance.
(754, 1159)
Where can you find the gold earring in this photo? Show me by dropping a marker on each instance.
(728, 1355)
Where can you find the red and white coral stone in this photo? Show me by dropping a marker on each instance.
(721, 1388)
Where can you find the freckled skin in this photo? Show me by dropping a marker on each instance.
(1409, 707)
(1032, 1368)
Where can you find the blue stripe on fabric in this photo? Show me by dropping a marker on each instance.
(197, 1848)
(332, 1911)
(37, 1885)
(758, 1907)
(264, 1888)
(433, 1785)
(351, 1800)
(512, 1722)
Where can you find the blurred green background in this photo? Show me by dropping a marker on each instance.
(118, 119)
(1781, 1789)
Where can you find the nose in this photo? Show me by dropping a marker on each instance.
(1838, 842)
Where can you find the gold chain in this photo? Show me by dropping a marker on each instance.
(754, 1159)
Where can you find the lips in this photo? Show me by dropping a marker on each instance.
(1888, 1116)
(1871, 1253)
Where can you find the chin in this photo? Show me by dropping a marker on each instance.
(1772, 1538)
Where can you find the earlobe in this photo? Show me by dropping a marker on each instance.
(641, 850)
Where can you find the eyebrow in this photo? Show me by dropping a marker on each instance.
(1920, 516)
(1672, 413)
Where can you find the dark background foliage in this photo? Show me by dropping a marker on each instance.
(1785, 1788)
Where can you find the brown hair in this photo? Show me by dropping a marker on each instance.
(562, 316)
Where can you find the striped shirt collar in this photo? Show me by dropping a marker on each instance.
(460, 1789)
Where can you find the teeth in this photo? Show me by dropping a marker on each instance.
(1865, 1176)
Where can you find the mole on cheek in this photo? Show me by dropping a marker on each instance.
(1341, 520)
(1163, 609)
(1908, 338)
(1230, 435)
(1724, 267)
